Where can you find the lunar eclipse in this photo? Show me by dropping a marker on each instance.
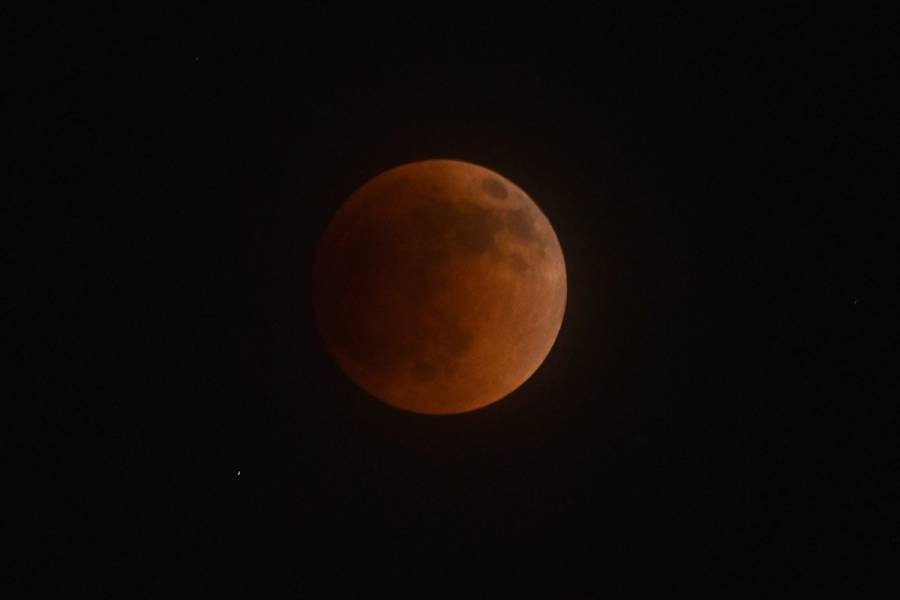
(439, 287)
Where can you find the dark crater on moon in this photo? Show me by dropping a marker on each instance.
(472, 226)
(518, 263)
(521, 225)
(467, 224)
(494, 187)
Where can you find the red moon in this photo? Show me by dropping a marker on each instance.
(439, 287)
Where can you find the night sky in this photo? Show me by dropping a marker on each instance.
(710, 418)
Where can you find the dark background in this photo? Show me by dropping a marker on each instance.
(709, 419)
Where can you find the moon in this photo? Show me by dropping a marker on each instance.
(439, 287)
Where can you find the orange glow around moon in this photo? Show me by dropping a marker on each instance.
(439, 287)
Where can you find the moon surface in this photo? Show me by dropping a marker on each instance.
(439, 287)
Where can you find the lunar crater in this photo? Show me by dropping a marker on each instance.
(518, 262)
(474, 228)
(521, 224)
(494, 187)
